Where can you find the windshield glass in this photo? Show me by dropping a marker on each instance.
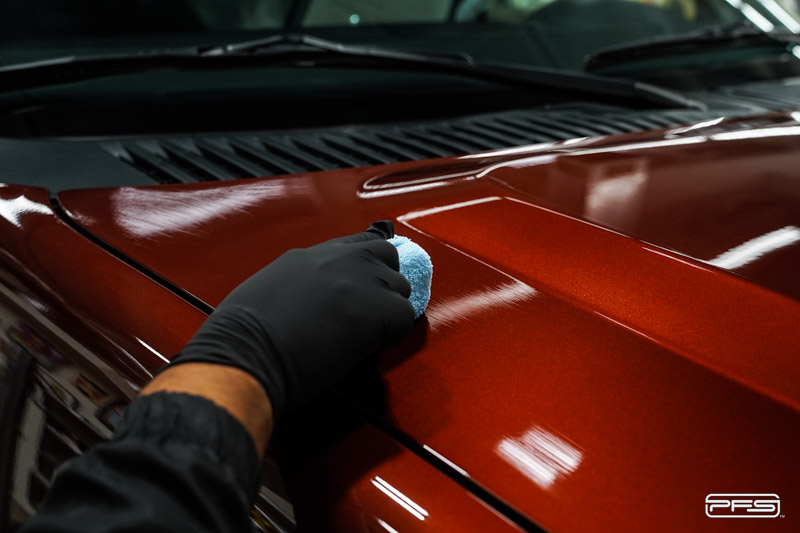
(549, 33)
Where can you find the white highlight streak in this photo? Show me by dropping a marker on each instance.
(640, 146)
(759, 133)
(527, 162)
(446, 461)
(387, 527)
(378, 192)
(403, 500)
(753, 249)
(153, 350)
(432, 211)
(697, 126)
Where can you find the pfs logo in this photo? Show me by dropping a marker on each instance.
(743, 505)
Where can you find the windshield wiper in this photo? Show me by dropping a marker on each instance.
(308, 51)
(723, 37)
(287, 42)
(463, 64)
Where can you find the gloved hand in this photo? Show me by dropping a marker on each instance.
(301, 322)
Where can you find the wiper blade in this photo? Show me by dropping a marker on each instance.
(304, 50)
(715, 38)
(287, 42)
(463, 64)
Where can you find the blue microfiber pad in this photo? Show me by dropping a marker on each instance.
(416, 266)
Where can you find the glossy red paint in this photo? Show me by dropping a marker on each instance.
(701, 191)
(111, 322)
(84, 327)
(366, 482)
(91, 297)
(593, 379)
(644, 373)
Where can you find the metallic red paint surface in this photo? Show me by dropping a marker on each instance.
(72, 311)
(119, 314)
(589, 379)
(701, 190)
(118, 326)
(366, 482)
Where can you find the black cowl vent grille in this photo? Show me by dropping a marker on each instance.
(232, 156)
(187, 159)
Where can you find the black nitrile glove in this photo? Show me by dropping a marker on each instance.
(301, 322)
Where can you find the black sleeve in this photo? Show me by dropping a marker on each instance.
(176, 463)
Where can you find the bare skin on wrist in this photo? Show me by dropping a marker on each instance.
(234, 390)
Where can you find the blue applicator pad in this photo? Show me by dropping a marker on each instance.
(416, 266)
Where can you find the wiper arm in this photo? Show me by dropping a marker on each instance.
(715, 38)
(288, 42)
(304, 50)
(463, 64)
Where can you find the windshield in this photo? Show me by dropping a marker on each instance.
(548, 33)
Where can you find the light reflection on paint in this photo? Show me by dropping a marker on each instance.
(370, 185)
(451, 312)
(575, 140)
(404, 189)
(641, 146)
(754, 248)
(404, 501)
(142, 213)
(613, 199)
(153, 350)
(698, 126)
(534, 147)
(535, 158)
(757, 134)
(539, 455)
(517, 163)
(386, 526)
(446, 461)
(514, 151)
(541, 159)
(671, 257)
(449, 207)
(12, 210)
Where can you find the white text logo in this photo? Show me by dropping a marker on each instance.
(743, 505)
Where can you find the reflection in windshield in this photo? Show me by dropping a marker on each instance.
(551, 33)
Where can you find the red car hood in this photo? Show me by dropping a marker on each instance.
(612, 333)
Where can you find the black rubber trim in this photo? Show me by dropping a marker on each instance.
(178, 291)
(476, 489)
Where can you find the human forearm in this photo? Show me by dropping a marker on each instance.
(232, 389)
(186, 456)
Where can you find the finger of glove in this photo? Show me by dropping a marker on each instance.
(399, 320)
(395, 281)
(384, 228)
(384, 251)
